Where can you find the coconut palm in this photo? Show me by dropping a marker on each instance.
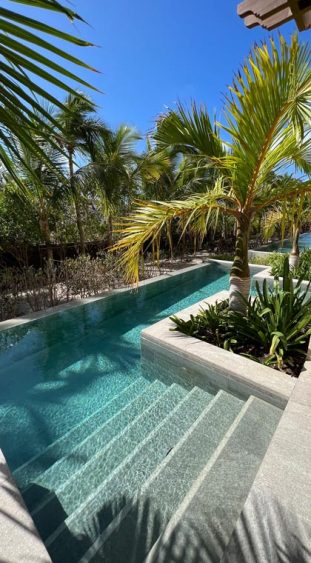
(42, 186)
(266, 113)
(110, 174)
(26, 56)
(77, 134)
(119, 173)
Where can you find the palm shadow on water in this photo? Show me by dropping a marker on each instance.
(91, 337)
(128, 529)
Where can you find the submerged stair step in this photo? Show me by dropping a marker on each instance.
(67, 498)
(82, 527)
(64, 445)
(64, 469)
(210, 511)
(133, 536)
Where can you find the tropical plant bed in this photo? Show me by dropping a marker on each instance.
(274, 330)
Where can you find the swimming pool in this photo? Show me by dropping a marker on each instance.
(304, 243)
(56, 370)
(85, 430)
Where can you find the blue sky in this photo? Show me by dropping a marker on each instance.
(153, 52)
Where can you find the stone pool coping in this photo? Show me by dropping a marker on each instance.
(275, 522)
(30, 317)
(20, 541)
(214, 365)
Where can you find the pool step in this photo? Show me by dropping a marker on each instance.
(100, 509)
(213, 506)
(63, 470)
(64, 445)
(169, 484)
(68, 497)
(197, 493)
(119, 491)
(97, 390)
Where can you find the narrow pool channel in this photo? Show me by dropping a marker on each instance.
(56, 371)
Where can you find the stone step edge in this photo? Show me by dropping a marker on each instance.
(87, 557)
(120, 411)
(140, 446)
(61, 438)
(51, 495)
(165, 537)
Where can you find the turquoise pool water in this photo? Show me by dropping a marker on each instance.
(105, 453)
(57, 371)
(304, 243)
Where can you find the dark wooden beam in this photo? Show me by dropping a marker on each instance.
(270, 14)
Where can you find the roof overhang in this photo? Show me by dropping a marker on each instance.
(273, 13)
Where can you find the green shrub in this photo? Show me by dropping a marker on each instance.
(276, 261)
(209, 324)
(274, 331)
(304, 267)
(303, 270)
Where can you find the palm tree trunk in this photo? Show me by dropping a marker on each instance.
(240, 274)
(294, 255)
(110, 229)
(46, 235)
(76, 203)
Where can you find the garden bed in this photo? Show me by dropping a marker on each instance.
(207, 365)
(273, 327)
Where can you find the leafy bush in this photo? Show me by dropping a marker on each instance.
(304, 267)
(303, 270)
(260, 260)
(276, 261)
(209, 324)
(274, 331)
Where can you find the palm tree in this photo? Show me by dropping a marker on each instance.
(113, 168)
(119, 173)
(77, 133)
(289, 217)
(42, 186)
(266, 113)
(25, 56)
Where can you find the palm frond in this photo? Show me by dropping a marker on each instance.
(189, 131)
(22, 63)
(269, 96)
(142, 229)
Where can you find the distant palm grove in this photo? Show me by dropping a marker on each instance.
(74, 186)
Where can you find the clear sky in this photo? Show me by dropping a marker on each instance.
(153, 52)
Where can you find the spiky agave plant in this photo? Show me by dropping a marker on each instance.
(267, 111)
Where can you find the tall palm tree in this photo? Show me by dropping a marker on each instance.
(26, 56)
(119, 173)
(113, 166)
(289, 217)
(42, 186)
(77, 133)
(266, 112)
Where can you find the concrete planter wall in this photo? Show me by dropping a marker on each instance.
(275, 523)
(259, 254)
(209, 366)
